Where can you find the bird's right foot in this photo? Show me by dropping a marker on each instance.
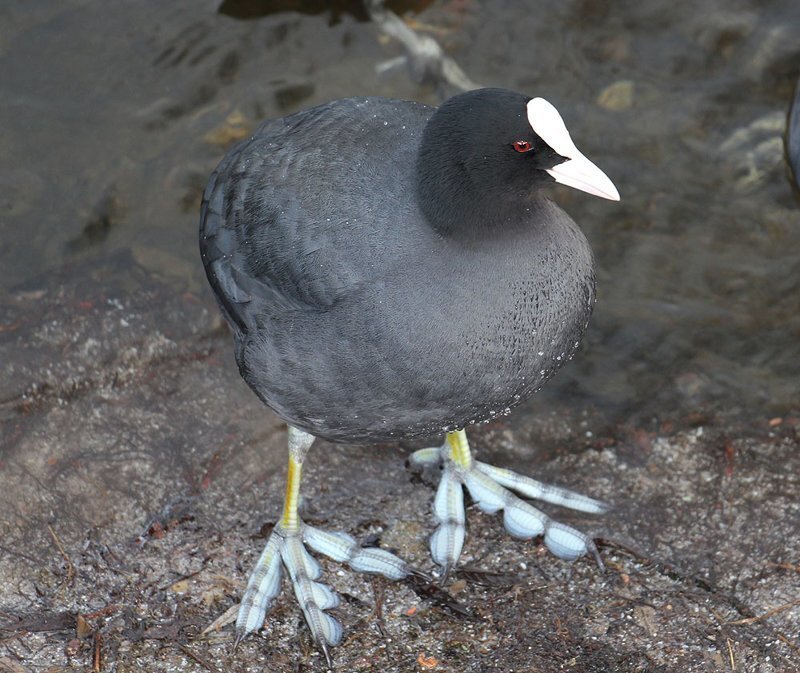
(491, 488)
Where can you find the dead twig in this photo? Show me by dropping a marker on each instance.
(784, 566)
(788, 642)
(227, 617)
(380, 593)
(766, 615)
(730, 654)
(424, 55)
(19, 554)
(60, 547)
(425, 588)
(197, 658)
(103, 612)
(97, 657)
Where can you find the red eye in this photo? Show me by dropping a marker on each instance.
(522, 146)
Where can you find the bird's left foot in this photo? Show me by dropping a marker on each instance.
(287, 547)
(491, 488)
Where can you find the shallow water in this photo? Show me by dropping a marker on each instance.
(111, 120)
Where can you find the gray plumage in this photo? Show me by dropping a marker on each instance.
(378, 291)
(793, 136)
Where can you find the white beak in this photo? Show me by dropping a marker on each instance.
(577, 171)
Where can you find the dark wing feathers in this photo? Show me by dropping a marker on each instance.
(270, 232)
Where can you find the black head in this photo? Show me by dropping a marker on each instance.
(481, 159)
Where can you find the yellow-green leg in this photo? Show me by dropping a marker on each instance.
(286, 548)
(458, 447)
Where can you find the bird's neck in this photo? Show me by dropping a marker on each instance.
(458, 208)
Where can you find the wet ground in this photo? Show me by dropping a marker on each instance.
(140, 476)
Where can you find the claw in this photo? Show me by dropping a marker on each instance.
(328, 659)
(596, 555)
(446, 570)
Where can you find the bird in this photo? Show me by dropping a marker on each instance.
(392, 270)
(792, 138)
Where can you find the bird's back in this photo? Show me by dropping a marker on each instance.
(281, 211)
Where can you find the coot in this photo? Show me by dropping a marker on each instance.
(393, 270)
(793, 137)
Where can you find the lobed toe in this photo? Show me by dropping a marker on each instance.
(448, 509)
(523, 521)
(565, 542)
(262, 587)
(379, 561)
(425, 457)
